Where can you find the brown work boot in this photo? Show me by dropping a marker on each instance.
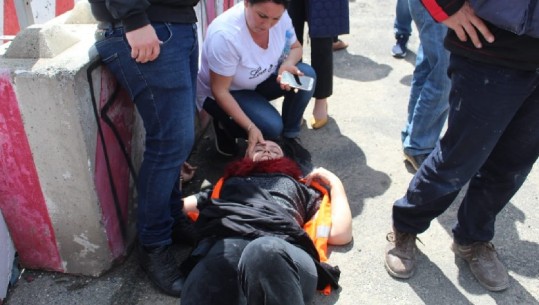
(484, 264)
(400, 254)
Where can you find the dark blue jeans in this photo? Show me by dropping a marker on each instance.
(256, 105)
(265, 271)
(492, 141)
(164, 93)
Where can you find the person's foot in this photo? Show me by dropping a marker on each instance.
(162, 269)
(339, 45)
(415, 161)
(400, 254)
(399, 50)
(293, 149)
(484, 264)
(320, 113)
(225, 144)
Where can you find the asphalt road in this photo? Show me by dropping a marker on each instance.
(362, 145)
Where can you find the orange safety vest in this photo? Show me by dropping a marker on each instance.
(317, 227)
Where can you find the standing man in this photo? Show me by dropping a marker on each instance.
(492, 140)
(428, 103)
(151, 48)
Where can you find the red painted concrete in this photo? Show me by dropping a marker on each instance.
(122, 114)
(63, 6)
(21, 199)
(11, 24)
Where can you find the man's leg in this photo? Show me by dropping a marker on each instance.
(402, 28)
(497, 181)
(479, 113)
(428, 105)
(163, 92)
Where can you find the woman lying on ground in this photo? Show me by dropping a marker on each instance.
(253, 248)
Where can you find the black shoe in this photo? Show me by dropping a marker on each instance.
(225, 144)
(162, 269)
(183, 231)
(399, 50)
(416, 161)
(293, 149)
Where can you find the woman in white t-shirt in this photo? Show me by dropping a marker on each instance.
(245, 51)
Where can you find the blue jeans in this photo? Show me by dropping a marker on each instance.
(492, 141)
(236, 271)
(428, 104)
(164, 93)
(403, 19)
(256, 105)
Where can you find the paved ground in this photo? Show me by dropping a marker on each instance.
(361, 144)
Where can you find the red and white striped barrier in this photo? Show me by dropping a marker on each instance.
(43, 11)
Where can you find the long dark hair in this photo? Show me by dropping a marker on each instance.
(285, 3)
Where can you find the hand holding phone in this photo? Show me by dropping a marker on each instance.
(296, 81)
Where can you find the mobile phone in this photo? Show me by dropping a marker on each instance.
(296, 81)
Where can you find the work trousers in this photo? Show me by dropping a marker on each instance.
(264, 271)
(492, 142)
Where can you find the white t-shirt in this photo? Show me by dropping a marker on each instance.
(229, 50)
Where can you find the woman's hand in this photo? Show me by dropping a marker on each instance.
(289, 68)
(322, 176)
(254, 136)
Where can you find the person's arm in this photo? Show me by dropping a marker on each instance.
(191, 203)
(341, 216)
(460, 17)
(141, 36)
(220, 87)
(144, 43)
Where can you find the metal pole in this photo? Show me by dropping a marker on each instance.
(24, 13)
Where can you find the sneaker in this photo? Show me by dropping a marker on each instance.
(484, 264)
(225, 144)
(161, 267)
(415, 161)
(399, 49)
(293, 149)
(400, 254)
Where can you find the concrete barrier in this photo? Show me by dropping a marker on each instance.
(42, 11)
(58, 166)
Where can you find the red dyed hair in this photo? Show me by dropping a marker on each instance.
(245, 167)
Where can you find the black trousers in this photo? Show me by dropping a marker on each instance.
(265, 271)
(321, 50)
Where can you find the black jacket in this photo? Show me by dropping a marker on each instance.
(246, 210)
(134, 14)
